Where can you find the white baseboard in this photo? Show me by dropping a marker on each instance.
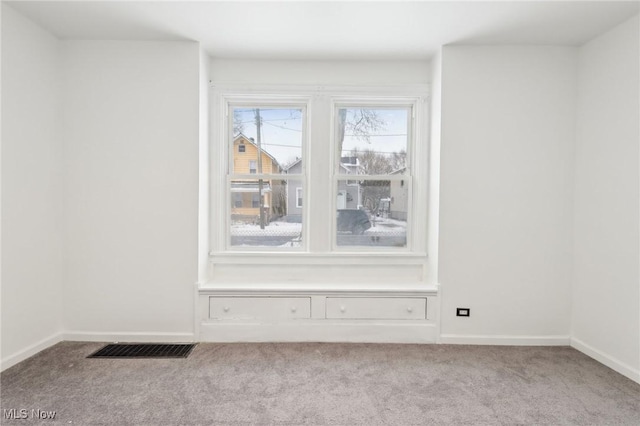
(498, 340)
(313, 332)
(609, 361)
(30, 351)
(141, 337)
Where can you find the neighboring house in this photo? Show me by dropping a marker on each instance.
(294, 193)
(245, 192)
(399, 195)
(349, 192)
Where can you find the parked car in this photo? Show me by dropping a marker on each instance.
(354, 221)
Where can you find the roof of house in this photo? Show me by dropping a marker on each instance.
(293, 164)
(344, 162)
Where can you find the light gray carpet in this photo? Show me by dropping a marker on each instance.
(316, 383)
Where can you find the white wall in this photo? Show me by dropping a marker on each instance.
(506, 193)
(131, 133)
(606, 289)
(203, 172)
(32, 265)
(336, 73)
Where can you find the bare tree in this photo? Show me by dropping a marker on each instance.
(398, 160)
(376, 163)
(372, 162)
(363, 123)
(360, 123)
(238, 125)
(372, 192)
(279, 198)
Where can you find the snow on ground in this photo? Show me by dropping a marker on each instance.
(381, 225)
(378, 226)
(273, 228)
(289, 235)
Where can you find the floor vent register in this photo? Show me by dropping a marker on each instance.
(143, 350)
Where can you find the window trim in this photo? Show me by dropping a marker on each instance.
(258, 101)
(286, 95)
(411, 104)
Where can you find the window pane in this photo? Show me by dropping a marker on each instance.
(275, 132)
(372, 213)
(372, 141)
(280, 224)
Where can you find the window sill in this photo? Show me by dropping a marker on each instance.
(306, 258)
(315, 289)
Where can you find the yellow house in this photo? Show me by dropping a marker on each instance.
(245, 201)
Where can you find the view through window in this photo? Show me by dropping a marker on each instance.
(266, 177)
(371, 198)
(369, 181)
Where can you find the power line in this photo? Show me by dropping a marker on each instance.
(271, 119)
(281, 127)
(275, 144)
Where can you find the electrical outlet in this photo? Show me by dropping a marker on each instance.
(463, 312)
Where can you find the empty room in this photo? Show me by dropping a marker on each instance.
(347, 212)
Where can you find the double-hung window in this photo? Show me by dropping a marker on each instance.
(269, 175)
(373, 148)
(322, 172)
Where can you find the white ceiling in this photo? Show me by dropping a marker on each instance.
(331, 30)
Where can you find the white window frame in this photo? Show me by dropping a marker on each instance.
(411, 104)
(318, 178)
(253, 170)
(224, 145)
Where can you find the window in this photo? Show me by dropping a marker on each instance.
(241, 148)
(371, 142)
(299, 198)
(237, 201)
(357, 159)
(270, 174)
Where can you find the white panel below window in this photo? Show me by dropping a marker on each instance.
(376, 308)
(266, 308)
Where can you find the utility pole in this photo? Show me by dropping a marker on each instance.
(260, 182)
